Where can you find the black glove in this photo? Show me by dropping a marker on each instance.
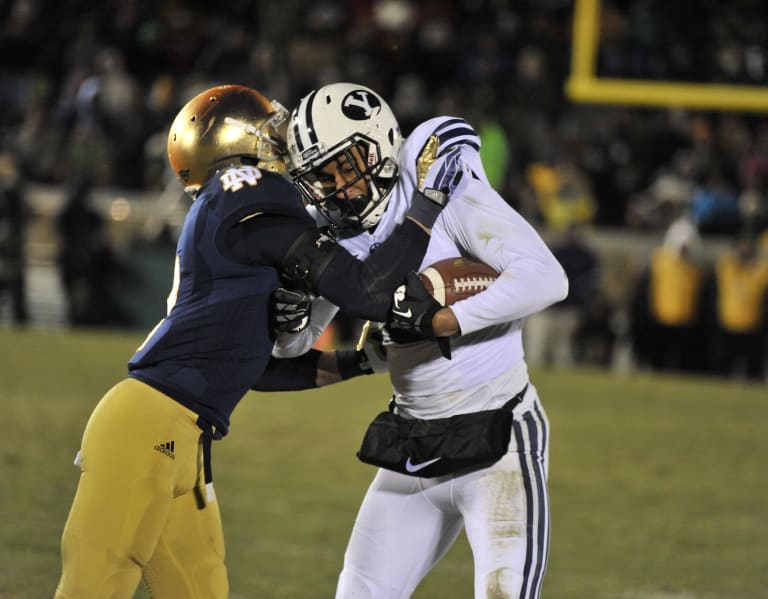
(412, 312)
(289, 311)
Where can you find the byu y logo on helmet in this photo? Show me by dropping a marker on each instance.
(359, 105)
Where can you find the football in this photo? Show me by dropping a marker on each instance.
(454, 279)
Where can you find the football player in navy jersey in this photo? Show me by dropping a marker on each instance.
(409, 520)
(145, 504)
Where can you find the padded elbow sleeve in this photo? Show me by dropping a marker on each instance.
(309, 256)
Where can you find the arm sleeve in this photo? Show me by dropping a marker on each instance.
(364, 289)
(291, 374)
(360, 289)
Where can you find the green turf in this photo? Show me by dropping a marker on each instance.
(658, 485)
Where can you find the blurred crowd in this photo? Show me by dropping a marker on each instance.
(88, 91)
(694, 315)
(686, 310)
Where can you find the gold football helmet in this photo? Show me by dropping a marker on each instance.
(221, 126)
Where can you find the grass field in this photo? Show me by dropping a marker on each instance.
(659, 486)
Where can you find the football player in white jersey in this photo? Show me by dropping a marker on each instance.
(359, 177)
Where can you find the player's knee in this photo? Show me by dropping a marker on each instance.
(501, 583)
(354, 585)
(216, 581)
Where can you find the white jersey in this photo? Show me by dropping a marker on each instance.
(487, 365)
(424, 516)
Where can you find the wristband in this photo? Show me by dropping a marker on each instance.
(424, 326)
(349, 364)
(426, 207)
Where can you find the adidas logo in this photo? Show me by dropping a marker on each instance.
(167, 449)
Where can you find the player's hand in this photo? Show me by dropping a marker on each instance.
(289, 311)
(433, 185)
(413, 309)
(424, 163)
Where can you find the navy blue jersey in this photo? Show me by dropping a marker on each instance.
(215, 341)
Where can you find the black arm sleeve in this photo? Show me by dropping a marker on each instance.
(316, 262)
(290, 374)
(364, 289)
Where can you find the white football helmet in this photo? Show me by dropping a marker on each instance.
(328, 123)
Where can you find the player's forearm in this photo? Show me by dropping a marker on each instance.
(313, 369)
(290, 374)
(364, 289)
(445, 324)
(340, 365)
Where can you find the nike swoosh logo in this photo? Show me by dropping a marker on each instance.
(301, 326)
(411, 467)
(407, 314)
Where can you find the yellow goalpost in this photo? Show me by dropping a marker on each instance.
(584, 85)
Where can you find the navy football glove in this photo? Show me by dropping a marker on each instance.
(289, 311)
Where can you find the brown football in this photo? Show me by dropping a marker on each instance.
(454, 279)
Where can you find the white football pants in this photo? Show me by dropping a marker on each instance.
(406, 524)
